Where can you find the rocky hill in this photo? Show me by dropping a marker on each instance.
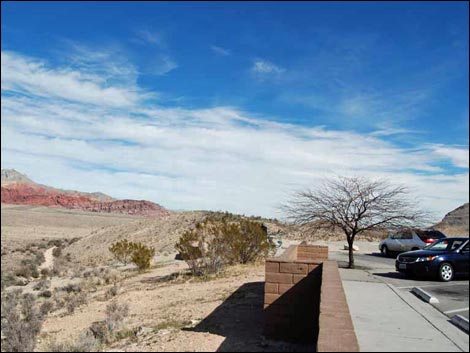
(456, 222)
(13, 176)
(19, 189)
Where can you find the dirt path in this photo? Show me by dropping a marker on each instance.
(49, 259)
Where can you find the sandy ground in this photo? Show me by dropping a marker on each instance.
(222, 314)
(22, 226)
(48, 259)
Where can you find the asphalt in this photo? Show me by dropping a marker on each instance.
(388, 317)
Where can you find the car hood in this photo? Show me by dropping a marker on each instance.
(422, 253)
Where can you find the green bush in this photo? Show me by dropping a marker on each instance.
(123, 251)
(223, 240)
(142, 256)
(247, 242)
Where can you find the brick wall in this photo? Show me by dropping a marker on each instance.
(304, 300)
(291, 302)
(336, 331)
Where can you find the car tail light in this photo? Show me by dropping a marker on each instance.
(429, 241)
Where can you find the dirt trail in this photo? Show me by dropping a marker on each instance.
(49, 259)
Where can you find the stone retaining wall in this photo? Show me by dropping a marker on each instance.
(296, 305)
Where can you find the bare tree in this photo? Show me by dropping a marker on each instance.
(355, 205)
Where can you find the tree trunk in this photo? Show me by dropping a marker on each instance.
(351, 255)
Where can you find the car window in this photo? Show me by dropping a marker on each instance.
(457, 244)
(466, 247)
(438, 246)
(407, 236)
(429, 234)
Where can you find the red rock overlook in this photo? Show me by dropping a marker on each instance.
(17, 189)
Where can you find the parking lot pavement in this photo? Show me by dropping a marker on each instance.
(453, 296)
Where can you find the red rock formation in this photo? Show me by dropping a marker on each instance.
(36, 195)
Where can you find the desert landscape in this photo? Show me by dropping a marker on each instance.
(62, 257)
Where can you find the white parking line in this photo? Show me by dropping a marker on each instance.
(436, 285)
(455, 311)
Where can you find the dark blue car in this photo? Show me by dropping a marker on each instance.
(443, 260)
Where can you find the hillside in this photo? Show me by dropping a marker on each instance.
(20, 190)
(456, 222)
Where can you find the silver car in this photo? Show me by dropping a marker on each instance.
(408, 240)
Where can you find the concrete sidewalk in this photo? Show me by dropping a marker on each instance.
(386, 320)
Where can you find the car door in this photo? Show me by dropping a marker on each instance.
(406, 241)
(394, 243)
(464, 260)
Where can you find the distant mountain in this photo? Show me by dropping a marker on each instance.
(455, 222)
(13, 176)
(17, 188)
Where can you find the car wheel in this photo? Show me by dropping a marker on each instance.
(385, 251)
(446, 272)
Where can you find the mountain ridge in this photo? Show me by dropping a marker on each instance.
(17, 188)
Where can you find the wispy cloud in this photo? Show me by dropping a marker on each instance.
(220, 51)
(459, 156)
(23, 74)
(159, 61)
(266, 68)
(215, 158)
(151, 37)
(162, 65)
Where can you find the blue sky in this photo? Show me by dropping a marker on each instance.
(232, 105)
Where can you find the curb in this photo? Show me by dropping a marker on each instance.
(460, 322)
(428, 298)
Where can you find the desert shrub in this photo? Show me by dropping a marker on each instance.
(21, 322)
(45, 294)
(72, 288)
(73, 240)
(223, 240)
(57, 252)
(59, 266)
(247, 242)
(73, 301)
(125, 251)
(115, 316)
(9, 279)
(55, 242)
(108, 329)
(203, 248)
(142, 256)
(122, 251)
(111, 276)
(45, 272)
(27, 269)
(42, 285)
(46, 307)
(84, 343)
(39, 257)
(99, 331)
(112, 291)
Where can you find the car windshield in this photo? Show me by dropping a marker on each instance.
(445, 245)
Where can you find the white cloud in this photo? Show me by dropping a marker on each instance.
(264, 67)
(27, 75)
(160, 62)
(151, 37)
(458, 155)
(162, 65)
(220, 51)
(219, 158)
